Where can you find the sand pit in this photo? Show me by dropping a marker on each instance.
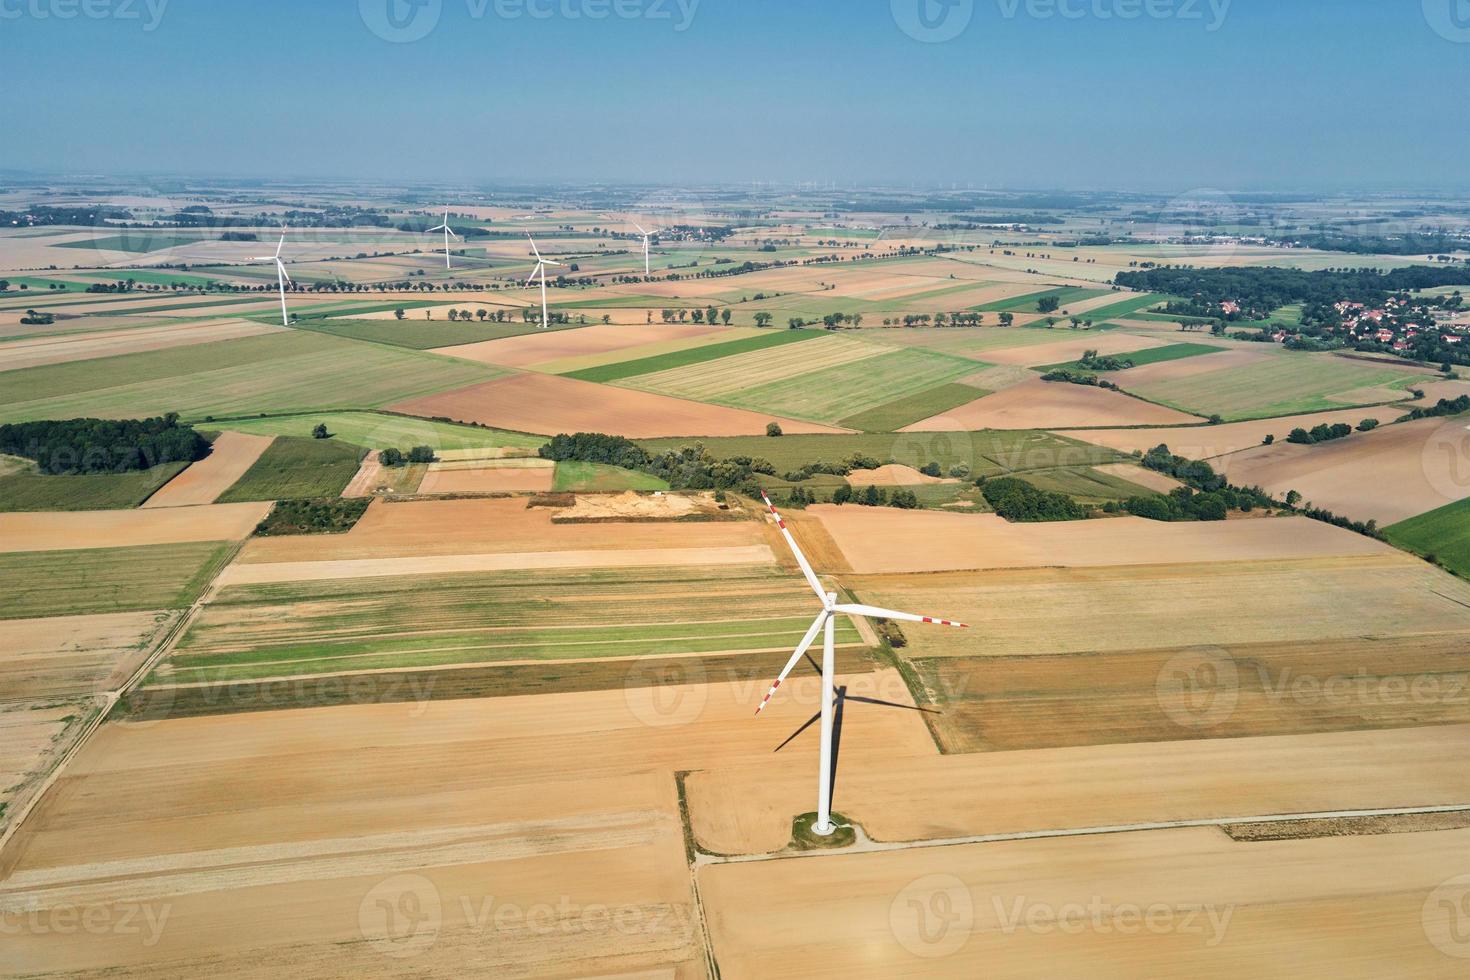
(125, 528)
(490, 476)
(1209, 441)
(550, 405)
(876, 540)
(536, 348)
(1050, 405)
(78, 347)
(71, 655)
(1176, 903)
(203, 481)
(639, 507)
(553, 803)
(429, 528)
(1390, 474)
(1071, 345)
(748, 810)
(892, 475)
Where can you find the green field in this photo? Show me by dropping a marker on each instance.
(1153, 355)
(1086, 484)
(1443, 533)
(105, 580)
(375, 430)
(580, 476)
(138, 240)
(1123, 308)
(1283, 384)
(39, 286)
(913, 408)
(693, 355)
(294, 469)
(281, 372)
(1027, 303)
(849, 389)
(92, 491)
(165, 277)
(364, 624)
(418, 334)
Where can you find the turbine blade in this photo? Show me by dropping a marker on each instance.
(806, 569)
(532, 277)
(801, 648)
(857, 609)
(283, 271)
(281, 244)
(640, 229)
(533, 246)
(792, 737)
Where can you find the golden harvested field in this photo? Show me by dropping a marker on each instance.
(727, 376)
(877, 540)
(535, 348)
(1194, 599)
(1069, 345)
(748, 809)
(71, 655)
(490, 476)
(233, 453)
(1389, 474)
(1041, 404)
(124, 528)
(580, 362)
(34, 735)
(419, 529)
(1188, 367)
(1209, 441)
(35, 351)
(554, 803)
(1133, 473)
(549, 405)
(1328, 908)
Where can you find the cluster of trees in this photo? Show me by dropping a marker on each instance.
(396, 457)
(1182, 504)
(1327, 433)
(1092, 362)
(34, 318)
(1068, 376)
(871, 496)
(103, 445)
(856, 461)
(963, 318)
(1016, 500)
(121, 286)
(1443, 407)
(1260, 289)
(688, 468)
(324, 515)
(1405, 244)
(708, 315)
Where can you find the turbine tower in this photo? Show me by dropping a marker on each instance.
(647, 270)
(281, 277)
(540, 270)
(447, 232)
(826, 624)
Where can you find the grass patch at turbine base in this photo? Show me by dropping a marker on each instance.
(804, 838)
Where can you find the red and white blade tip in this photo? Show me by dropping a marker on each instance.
(766, 700)
(945, 622)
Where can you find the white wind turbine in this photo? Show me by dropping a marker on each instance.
(447, 232)
(281, 277)
(826, 623)
(540, 270)
(647, 270)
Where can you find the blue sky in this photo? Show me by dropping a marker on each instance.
(1235, 94)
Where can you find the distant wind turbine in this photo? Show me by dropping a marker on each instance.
(540, 270)
(825, 622)
(447, 232)
(647, 270)
(281, 277)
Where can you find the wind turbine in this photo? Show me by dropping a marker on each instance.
(540, 270)
(647, 270)
(826, 624)
(281, 277)
(447, 232)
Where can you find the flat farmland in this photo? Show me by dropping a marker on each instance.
(77, 655)
(550, 405)
(34, 736)
(730, 379)
(712, 350)
(118, 528)
(23, 489)
(252, 631)
(972, 342)
(106, 580)
(1068, 345)
(540, 346)
(278, 372)
(291, 469)
(18, 354)
(490, 476)
(1051, 405)
(377, 430)
(1191, 601)
(1210, 441)
(551, 804)
(231, 456)
(1286, 384)
(1318, 908)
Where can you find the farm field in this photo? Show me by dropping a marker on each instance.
(25, 490)
(533, 346)
(231, 456)
(1210, 441)
(18, 354)
(77, 655)
(1051, 405)
(1068, 345)
(1443, 533)
(550, 405)
(34, 737)
(292, 468)
(417, 333)
(123, 528)
(713, 350)
(490, 476)
(1150, 355)
(376, 430)
(106, 580)
(279, 372)
(589, 477)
